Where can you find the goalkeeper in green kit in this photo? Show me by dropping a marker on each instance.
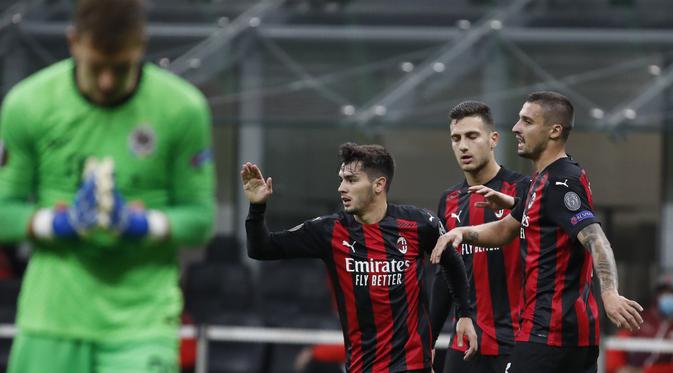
(105, 165)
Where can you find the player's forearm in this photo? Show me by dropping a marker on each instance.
(440, 305)
(492, 234)
(593, 239)
(454, 271)
(15, 220)
(259, 243)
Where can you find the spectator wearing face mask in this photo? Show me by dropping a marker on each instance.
(658, 324)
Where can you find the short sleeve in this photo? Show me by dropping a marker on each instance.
(520, 203)
(567, 203)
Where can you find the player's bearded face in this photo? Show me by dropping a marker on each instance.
(106, 77)
(355, 189)
(532, 135)
(472, 143)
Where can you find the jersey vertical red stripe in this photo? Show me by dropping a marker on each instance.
(482, 289)
(494, 273)
(564, 312)
(593, 307)
(383, 313)
(588, 272)
(531, 270)
(451, 204)
(512, 253)
(413, 347)
(555, 337)
(584, 179)
(379, 286)
(340, 234)
(581, 308)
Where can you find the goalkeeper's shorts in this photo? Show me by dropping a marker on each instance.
(33, 353)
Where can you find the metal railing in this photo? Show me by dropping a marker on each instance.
(221, 333)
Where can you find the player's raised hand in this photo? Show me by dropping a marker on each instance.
(623, 312)
(465, 328)
(493, 199)
(256, 189)
(454, 237)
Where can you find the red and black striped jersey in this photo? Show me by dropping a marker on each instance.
(560, 307)
(494, 273)
(377, 273)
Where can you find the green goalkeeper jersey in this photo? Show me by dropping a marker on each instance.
(159, 139)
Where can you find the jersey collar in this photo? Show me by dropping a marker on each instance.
(117, 103)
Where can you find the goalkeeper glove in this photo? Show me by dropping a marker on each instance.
(132, 220)
(73, 221)
(129, 220)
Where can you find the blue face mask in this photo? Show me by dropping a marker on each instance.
(666, 304)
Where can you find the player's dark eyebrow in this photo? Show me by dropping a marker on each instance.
(526, 118)
(348, 174)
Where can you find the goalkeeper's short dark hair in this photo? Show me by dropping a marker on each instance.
(112, 25)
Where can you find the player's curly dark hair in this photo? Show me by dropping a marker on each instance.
(473, 109)
(111, 24)
(557, 109)
(375, 160)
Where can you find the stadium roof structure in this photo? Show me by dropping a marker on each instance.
(397, 63)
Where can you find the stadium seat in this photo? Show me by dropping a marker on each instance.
(9, 292)
(224, 249)
(295, 290)
(294, 294)
(219, 293)
(214, 290)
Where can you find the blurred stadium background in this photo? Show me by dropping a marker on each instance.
(289, 80)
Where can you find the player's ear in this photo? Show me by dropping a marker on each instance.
(493, 139)
(556, 131)
(380, 184)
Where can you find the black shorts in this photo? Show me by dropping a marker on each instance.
(454, 363)
(537, 357)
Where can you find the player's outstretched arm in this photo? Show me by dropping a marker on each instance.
(492, 234)
(493, 199)
(623, 312)
(303, 241)
(258, 191)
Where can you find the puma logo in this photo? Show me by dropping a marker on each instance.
(351, 245)
(456, 216)
(564, 183)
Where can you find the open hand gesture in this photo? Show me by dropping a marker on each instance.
(454, 237)
(256, 189)
(492, 199)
